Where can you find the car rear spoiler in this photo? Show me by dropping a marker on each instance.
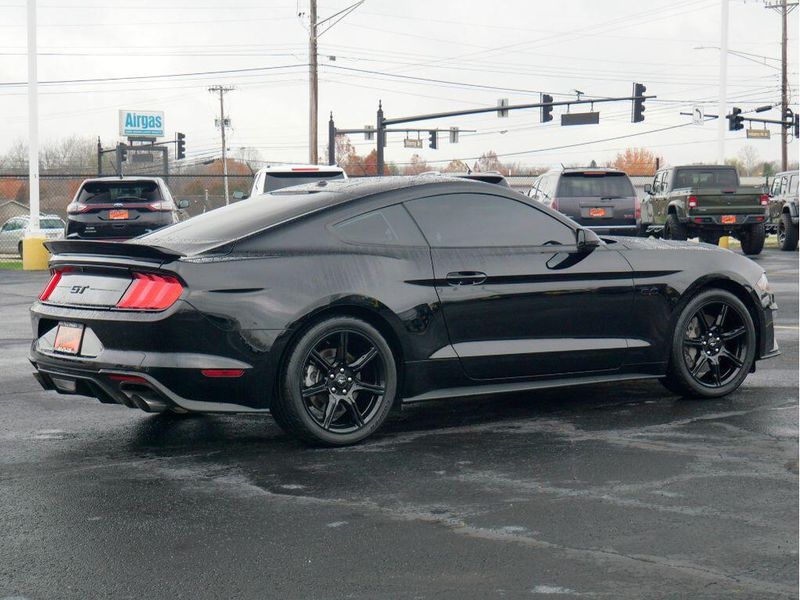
(101, 248)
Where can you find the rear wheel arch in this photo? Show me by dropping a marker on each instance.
(357, 311)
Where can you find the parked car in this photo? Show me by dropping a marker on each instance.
(330, 305)
(121, 208)
(783, 211)
(486, 176)
(13, 230)
(704, 201)
(276, 177)
(599, 199)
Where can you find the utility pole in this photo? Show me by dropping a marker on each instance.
(313, 86)
(723, 81)
(314, 34)
(783, 8)
(222, 90)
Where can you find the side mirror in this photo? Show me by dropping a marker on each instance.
(648, 189)
(183, 204)
(586, 240)
(237, 195)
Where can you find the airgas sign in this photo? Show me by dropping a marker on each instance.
(141, 122)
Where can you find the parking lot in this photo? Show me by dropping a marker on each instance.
(612, 491)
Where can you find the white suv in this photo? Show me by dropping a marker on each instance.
(276, 177)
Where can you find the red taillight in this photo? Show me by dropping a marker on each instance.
(692, 201)
(222, 372)
(151, 292)
(51, 285)
(637, 208)
(305, 169)
(764, 199)
(554, 204)
(159, 206)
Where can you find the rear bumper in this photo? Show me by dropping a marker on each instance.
(715, 221)
(121, 384)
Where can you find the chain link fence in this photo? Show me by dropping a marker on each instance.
(56, 191)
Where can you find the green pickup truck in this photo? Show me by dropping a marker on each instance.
(705, 202)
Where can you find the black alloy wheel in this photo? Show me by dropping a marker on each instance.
(339, 384)
(787, 233)
(713, 346)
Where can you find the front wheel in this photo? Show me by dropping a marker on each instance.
(787, 233)
(713, 346)
(338, 385)
(752, 239)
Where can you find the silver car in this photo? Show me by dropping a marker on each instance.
(13, 231)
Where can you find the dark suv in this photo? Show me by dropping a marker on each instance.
(121, 208)
(600, 199)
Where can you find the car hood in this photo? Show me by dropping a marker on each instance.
(633, 243)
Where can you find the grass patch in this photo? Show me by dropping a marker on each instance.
(11, 265)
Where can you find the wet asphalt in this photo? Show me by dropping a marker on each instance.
(613, 491)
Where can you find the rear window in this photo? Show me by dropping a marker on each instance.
(102, 192)
(277, 181)
(600, 185)
(705, 178)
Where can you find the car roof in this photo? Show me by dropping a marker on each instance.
(592, 170)
(263, 211)
(301, 168)
(123, 178)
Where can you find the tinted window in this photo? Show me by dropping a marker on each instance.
(390, 225)
(102, 192)
(600, 185)
(793, 184)
(277, 181)
(462, 220)
(52, 224)
(13, 225)
(705, 178)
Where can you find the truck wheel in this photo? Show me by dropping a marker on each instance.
(787, 233)
(710, 237)
(752, 239)
(641, 230)
(674, 229)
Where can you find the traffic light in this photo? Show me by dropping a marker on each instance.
(547, 109)
(735, 119)
(432, 141)
(637, 114)
(180, 146)
(122, 153)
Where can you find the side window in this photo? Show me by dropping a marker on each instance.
(13, 225)
(793, 184)
(775, 190)
(784, 185)
(481, 220)
(390, 225)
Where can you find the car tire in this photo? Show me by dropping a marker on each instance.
(787, 233)
(641, 230)
(712, 357)
(347, 355)
(710, 237)
(19, 249)
(674, 229)
(752, 239)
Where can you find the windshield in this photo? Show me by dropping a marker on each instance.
(705, 178)
(276, 181)
(596, 184)
(103, 192)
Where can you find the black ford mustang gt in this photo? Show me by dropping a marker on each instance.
(331, 303)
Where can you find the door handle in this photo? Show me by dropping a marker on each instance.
(466, 278)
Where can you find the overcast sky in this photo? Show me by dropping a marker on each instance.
(417, 56)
